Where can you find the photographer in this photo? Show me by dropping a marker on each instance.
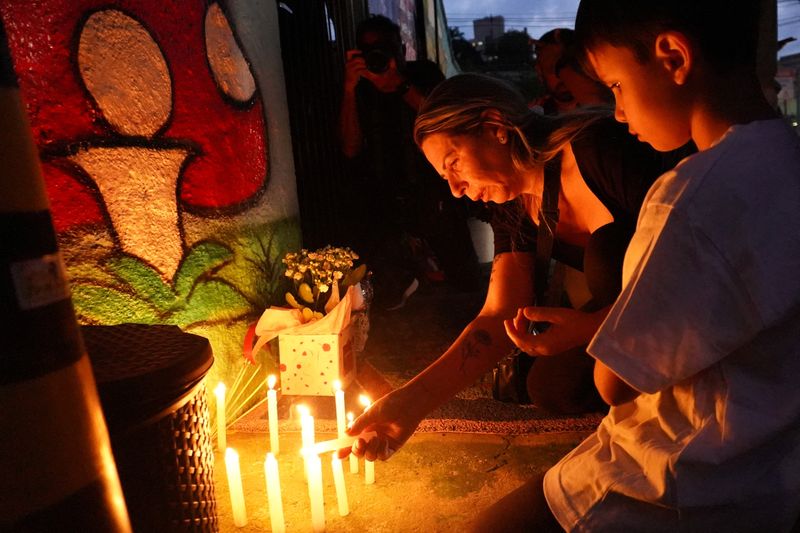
(404, 205)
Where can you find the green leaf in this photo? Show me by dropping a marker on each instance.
(204, 258)
(103, 305)
(144, 281)
(210, 301)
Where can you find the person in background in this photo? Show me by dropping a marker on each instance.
(403, 207)
(488, 145)
(699, 357)
(586, 90)
(549, 49)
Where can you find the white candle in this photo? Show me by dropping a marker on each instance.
(222, 441)
(338, 480)
(274, 494)
(338, 394)
(306, 433)
(336, 444)
(272, 412)
(306, 426)
(235, 488)
(353, 458)
(369, 466)
(314, 468)
(369, 472)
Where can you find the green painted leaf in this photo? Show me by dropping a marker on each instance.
(202, 259)
(144, 281)
(103, 305)
(210, 301)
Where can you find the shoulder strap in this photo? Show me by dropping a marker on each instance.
(548, 219)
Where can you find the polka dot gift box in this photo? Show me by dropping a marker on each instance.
(310, 364)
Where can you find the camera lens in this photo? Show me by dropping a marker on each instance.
(377, 61)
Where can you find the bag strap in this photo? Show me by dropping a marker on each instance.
(548, 220)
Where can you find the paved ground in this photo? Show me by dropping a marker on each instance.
(437, 483)
(465, 456)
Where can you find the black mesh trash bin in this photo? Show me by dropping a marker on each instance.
(150, 381)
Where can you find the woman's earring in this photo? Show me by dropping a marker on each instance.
(502, 139)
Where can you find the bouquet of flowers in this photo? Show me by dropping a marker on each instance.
(325, 296)
(320, 278)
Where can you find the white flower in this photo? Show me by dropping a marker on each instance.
(322, 287)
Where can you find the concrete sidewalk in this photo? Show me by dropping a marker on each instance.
(436, 483)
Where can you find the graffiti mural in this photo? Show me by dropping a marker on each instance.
(171, 185)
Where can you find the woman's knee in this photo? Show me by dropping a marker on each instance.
(563, 383)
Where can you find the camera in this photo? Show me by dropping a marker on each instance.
(377, 60)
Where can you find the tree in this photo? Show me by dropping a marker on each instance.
(468, 59)
(513, 50)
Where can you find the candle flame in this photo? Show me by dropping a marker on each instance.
(350, 418)
(337, 385)
(364, 400)
(271, 381)
(231, 454)
(220, 390)
(303, 410)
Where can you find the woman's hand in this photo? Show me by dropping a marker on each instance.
(569, 328)
(393, 419)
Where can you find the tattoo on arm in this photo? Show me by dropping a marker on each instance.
(472, 346)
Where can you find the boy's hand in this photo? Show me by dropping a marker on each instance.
(569, 329)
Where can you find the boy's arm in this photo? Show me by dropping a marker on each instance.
(611, 387)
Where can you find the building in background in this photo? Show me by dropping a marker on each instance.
(487, 29)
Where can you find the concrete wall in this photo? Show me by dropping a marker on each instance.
(164, 137)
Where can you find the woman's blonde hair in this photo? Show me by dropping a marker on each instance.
(461, 105)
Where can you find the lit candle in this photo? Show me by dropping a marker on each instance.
(235, 487)
(306, 433)
(353, 458)
(339, 396)
(314, 469)
(274, 494)
(338, 480)
(222, 441)
(364, 400)
(272, 412)
(306, 426)
(369, 466)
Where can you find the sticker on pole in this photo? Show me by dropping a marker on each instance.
(39, 282)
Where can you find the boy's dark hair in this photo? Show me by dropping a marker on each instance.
(724, 31)
(380, 25)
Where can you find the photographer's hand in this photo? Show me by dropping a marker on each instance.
(388, 81)
(355, 68)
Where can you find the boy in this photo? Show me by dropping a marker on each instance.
(700, 355)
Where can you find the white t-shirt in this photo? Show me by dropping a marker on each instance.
(708, 327)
